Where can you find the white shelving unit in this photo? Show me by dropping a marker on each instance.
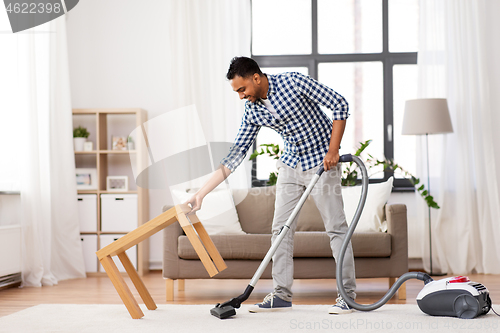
(100, 225)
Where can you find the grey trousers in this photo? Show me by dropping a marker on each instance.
(328, 198)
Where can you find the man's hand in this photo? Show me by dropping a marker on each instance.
(217, 177)
(331, 159)
(195, 203)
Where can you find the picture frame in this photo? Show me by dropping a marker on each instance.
(119, 142)
(86, 178)
(88, 146)
(117, 183)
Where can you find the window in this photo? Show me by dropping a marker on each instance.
(364, 49)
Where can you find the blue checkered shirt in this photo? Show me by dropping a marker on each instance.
(304, 127)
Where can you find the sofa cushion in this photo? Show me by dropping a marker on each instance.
(372, 217)
(256, 211)
(250, 246)
(365, 244)
(307, 244)
(217, 213)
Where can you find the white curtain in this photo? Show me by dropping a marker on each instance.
(205, 36)
(51, 242)
(458, 60)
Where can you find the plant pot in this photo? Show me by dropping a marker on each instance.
(130, 145)
(78, 143)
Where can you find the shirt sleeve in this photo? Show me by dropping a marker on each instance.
(244, 140)
(321, 94)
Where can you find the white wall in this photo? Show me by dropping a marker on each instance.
(118, 56)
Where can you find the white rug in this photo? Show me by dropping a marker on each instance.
(197, 318)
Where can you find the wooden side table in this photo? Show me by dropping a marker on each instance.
(197, 235)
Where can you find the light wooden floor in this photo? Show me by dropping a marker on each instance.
(99, 290)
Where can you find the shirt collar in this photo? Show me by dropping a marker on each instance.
(272, 84)
(270, 90)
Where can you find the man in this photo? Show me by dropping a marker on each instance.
(289, 103)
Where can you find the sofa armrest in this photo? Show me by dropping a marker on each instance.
(170, 249)
(398, 229)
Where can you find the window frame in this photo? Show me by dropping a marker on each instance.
(311, 61)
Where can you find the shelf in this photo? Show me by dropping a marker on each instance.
(108, 111)
(105, 152)
(117, 151)
(105, 192)
(86, 152)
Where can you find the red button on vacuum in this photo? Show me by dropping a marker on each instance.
(459, 279)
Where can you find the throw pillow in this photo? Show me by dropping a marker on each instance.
(218, 213)
(372, 217)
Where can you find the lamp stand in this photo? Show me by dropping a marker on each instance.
(429, 207)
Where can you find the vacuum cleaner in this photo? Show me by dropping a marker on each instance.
(454, 297)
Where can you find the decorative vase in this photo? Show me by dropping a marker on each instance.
(130, 145)
(78, 143)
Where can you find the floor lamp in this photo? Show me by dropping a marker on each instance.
(427, 116)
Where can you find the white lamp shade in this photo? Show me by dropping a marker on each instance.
(426, 116)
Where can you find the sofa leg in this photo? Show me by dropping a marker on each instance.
(401, 290)
(181, 284)
(392, 280)
(170, 290)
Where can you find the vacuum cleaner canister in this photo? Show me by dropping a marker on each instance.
(454, 297)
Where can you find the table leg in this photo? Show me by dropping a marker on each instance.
(121, 287)
(139, 285)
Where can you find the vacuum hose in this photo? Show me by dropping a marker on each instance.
(340, 287)
(227, 309)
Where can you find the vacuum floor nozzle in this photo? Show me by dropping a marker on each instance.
(223, 312)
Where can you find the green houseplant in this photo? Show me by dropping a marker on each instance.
(130, 143)
(350, 171)
(80, 135)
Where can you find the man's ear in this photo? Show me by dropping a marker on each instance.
(256, 78)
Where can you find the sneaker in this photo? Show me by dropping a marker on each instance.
(341, 307)
(271, 303)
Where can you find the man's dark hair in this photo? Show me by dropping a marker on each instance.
(242, 66)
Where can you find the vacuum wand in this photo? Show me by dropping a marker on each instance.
(227, 309)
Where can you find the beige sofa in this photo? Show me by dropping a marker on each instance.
(376, 254)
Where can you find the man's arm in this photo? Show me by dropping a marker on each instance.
(217, 177)
(332, 156)
(329, 98)
(322, 94)
(244, 140)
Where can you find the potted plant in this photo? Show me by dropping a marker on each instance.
(350, 173)
(80, 135)
(130, 143)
